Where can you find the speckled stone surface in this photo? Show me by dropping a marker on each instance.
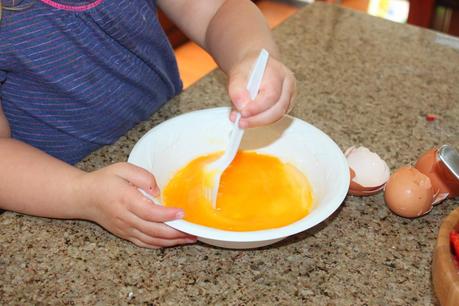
(362, 80)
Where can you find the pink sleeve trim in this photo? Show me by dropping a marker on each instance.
(79, 8)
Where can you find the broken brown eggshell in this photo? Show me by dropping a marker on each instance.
(412, 191)
(368, 172)
(444, 184)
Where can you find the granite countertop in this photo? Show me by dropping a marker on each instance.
(362, 80)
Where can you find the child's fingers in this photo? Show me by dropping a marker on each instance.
(158, 230)
(161, 231)
(142, 244)
(237, 91)
(276, 111)
(145, 209)
(137, 176)
(233, 115)
(143, 240)
(270, 93)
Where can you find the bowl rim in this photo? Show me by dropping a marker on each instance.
(259, 235)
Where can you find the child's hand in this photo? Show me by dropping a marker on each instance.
(114, 202)
(274, 99)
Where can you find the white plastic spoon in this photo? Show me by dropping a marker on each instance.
(217, 167)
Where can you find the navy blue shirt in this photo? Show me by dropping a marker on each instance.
(77, 75)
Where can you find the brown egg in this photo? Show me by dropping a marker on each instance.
(408, 193)
(443, 183)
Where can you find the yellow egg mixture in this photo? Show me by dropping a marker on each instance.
(256, 192)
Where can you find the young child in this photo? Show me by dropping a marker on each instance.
(76, 75)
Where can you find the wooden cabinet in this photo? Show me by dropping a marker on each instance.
(440, 15)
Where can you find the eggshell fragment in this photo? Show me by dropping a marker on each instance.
(357, 190)
(408, 193)
(369, 172)
(443, 183)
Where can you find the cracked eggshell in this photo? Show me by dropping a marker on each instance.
(369, 173)
(409, 193)
(443, 183)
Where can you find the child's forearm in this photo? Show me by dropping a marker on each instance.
(4, 126)
(35, 183)
(238, 29)
(229, 30)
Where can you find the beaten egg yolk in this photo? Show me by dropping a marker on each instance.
(256, 192)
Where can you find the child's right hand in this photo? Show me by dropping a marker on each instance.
(113, 201)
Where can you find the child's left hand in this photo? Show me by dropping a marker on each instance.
(274, 99)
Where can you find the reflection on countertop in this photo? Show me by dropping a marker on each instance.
(362, 80)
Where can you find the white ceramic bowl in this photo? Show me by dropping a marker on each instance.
(172, 144)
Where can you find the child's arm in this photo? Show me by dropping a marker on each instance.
(4, 126)
(35, 183)
(234, 32)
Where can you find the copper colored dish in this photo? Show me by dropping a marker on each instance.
(445, 273)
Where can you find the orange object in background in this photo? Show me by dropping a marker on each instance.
(359, 5)
(256, 192)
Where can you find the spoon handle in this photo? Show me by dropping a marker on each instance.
(253, 86)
